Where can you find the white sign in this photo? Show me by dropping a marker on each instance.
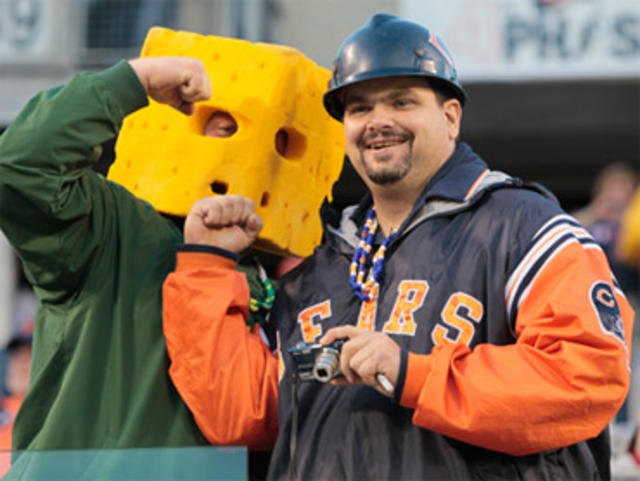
(528, 39)
(21, 26)
(38, 31)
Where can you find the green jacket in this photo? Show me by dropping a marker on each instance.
(97, 257)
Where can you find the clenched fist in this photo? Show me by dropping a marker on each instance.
(175, 81)
(228, 222)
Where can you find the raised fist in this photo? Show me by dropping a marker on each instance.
(228, 222)
(175, 81)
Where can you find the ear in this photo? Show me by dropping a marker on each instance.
(453, 115)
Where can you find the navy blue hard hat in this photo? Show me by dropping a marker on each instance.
(388, 46)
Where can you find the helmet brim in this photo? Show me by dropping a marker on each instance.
(333, 98)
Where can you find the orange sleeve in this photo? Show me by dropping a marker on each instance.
(225, 374)
(561, 382)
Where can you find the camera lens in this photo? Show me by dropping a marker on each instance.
(326, 366)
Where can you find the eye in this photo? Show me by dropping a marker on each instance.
(401, 103)
(355, 109)
(220, 124)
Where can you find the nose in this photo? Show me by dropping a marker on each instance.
(379, 119)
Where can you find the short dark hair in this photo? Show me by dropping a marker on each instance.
(443, 91)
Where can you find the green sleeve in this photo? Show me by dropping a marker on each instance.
(53, 207)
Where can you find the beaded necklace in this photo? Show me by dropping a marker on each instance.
(357, 270)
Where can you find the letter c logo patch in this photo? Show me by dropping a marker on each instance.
(606, 307)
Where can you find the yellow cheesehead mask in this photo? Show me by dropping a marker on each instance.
(274, 94)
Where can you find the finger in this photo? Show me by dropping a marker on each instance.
(186, 108)
(254, 225)
(341, 332)
(212, 211)
(339, 381)
(235, 210)
(366, 369)
(248, 208)
(240, 210)
(196, 86)
(226, 210)
(192, 85)
(357, 356)
(189, 90)
(380, 355)
(348, 350)
(350, 379)
(351, 357)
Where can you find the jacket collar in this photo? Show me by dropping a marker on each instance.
(461, 180)
(457, 178)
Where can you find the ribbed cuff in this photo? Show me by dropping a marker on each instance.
(208, 249)
(418, 368)
(402, 376)
(197, 256)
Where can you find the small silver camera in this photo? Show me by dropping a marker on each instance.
(317, 362)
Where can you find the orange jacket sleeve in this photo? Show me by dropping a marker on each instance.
(225, 374)
(560, 383)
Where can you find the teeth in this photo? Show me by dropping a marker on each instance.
(382, 145)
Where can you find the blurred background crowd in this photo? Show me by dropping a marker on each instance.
(554, 97)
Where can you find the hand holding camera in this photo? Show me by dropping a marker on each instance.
(350, 355)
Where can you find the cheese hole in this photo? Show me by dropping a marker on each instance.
(219, 187)
(290, 143)
(282, 140)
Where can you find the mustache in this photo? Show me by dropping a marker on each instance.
(389, 133)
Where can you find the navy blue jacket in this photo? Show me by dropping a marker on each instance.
(510, 364)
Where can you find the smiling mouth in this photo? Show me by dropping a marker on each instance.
(383, 144)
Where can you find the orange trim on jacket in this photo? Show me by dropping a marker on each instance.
(215, 360)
